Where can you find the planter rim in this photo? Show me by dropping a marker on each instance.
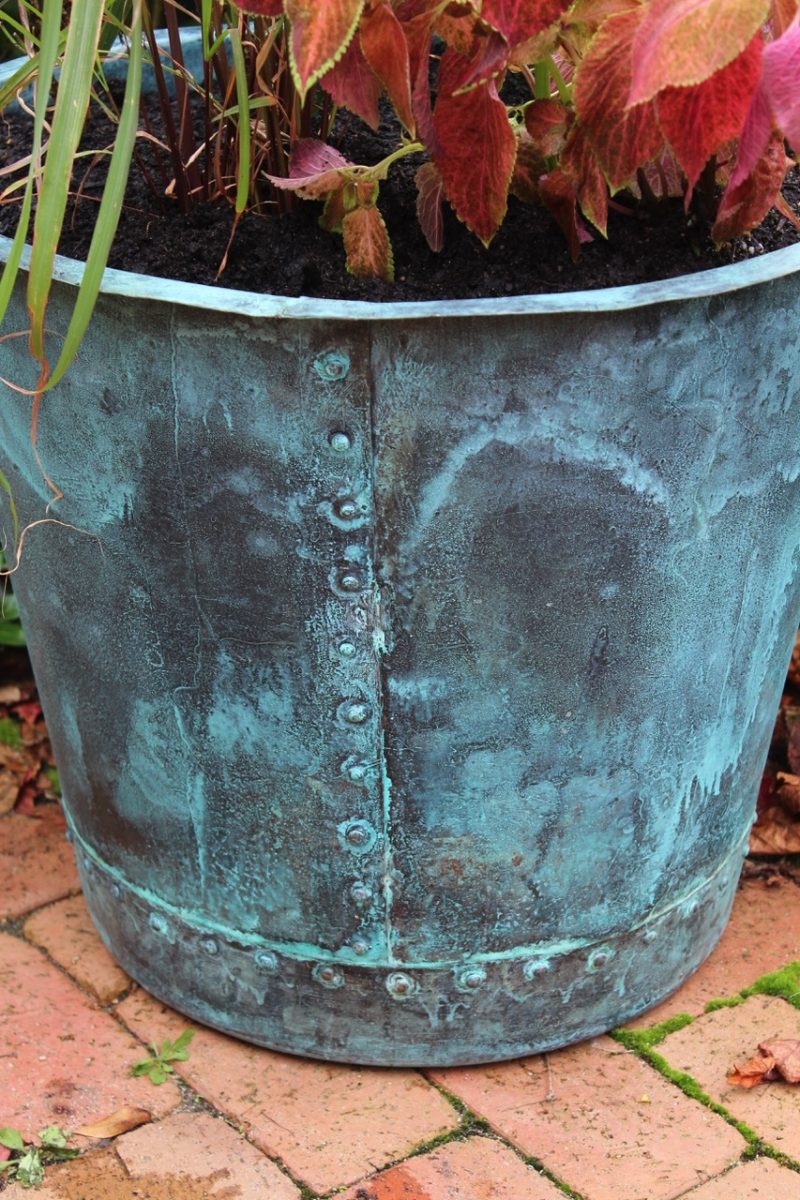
(257, 305)
(701, 284)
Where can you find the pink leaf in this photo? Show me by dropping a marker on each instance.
(314, 169)
(754, 137)
(782, 82)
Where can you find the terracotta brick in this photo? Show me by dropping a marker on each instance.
(763, 934)
(330, 1124)
(476, 1169)
(66, 932)
(37, 865)
(63, 1060)
(760, 1180)
(199, 1146)
(709, 1047)
(612, 1129)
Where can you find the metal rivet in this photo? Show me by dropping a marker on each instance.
(691, 907)
(358, 835)
(116, 890)
(347, 509)
(265, 960)
(598, 958)
(210, 945)
(332, 366)
(157, 923)
(536, 969)
(328, 976)
(347, 649)
(401, 986)
(69, 836)
(359, 946)
(469, 979)
(649, 935)
(361, 893)
(349, 581)
(357, 772)
(355, 713)
(340, 442)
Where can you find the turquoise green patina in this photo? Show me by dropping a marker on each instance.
(411, 668)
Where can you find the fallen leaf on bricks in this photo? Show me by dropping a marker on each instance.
(776, 1059)
(123, 1120)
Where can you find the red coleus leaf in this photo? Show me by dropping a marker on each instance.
(559, 196)
(529, 167)
(484, 58)
(475, 151)
(623, 138)
(698, 120)
(519, 20)
(262, 8)
(579, 163)
(782, 82)
(682, 42)
(416, 20)
(591, 14)
(744, 205)
(754, 136)
(314, 169)
(386, 50)
(429, 205)
(546, 123)
(353, 85)
(321, 32)
(367, 245)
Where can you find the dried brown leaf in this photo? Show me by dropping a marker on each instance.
(751, 1073)
(10, 694)
(777, 832)
(786, 1053)
(787, 792)
(120, 1121)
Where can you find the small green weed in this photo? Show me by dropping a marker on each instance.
(9, 733)
(27, 1162)
(157, 1067)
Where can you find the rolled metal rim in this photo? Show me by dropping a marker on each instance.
(719, 280)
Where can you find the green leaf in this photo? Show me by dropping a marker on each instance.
(110, 206)
(30, 1171)
(183, 1042)
(53, 1137)
(72, 100)
(10, 736)
(11, 1139)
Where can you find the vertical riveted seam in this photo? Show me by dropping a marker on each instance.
(379, 643)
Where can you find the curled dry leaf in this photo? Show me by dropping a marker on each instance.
(776, 1059)
(751, 1073)
(123, 1120)
(786, 1053)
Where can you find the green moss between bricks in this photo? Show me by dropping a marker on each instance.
(784, 983)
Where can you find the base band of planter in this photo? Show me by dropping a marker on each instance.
(527, 994)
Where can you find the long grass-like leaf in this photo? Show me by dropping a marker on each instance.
(110, 206)
(44, 69)
(243, 103)
(116, 20)
(68, 120)
(12, 508)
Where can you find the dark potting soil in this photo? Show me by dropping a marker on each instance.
(292, 255)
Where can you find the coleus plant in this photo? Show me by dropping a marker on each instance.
(574, 104)
(650, 97)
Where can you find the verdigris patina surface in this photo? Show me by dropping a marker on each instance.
(411, 670)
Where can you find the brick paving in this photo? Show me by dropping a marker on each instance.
(241, 1123)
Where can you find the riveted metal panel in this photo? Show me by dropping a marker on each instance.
(410, 681)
